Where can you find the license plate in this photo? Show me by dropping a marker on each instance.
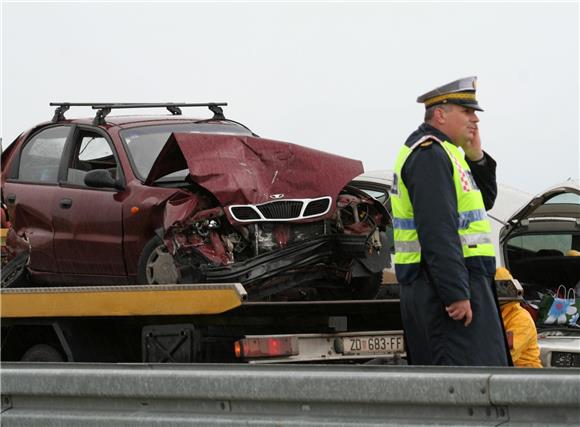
(378, 344)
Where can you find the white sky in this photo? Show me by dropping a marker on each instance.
(339, 77)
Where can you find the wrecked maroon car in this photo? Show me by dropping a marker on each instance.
(169, 199)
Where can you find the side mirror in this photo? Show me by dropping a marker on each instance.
(101, 178)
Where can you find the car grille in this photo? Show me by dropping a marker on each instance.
(245, 213)
(316, 207)
(282, 210)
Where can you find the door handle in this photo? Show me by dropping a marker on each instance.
(65, 203)
(11, 198)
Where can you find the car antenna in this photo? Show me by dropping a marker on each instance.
(104, 108)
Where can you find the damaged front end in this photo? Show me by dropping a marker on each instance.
(306, 248)
(304, 260)
(14, 254)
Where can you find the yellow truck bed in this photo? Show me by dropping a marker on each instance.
(86, 301)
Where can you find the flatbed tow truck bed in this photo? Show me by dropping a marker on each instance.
(192, 323)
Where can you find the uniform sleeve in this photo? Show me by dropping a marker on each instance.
(484, 175)
(428, 175)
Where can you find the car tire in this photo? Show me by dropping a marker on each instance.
(42, 353)
(156, 265)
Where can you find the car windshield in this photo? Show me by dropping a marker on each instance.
(566, 198)
(145, 143)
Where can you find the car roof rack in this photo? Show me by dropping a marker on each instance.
(104, 108)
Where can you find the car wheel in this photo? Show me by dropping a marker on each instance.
(42, 353)
(156, 264)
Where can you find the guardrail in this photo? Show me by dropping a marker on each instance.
(285, 395)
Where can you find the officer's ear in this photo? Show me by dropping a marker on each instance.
(440, 114)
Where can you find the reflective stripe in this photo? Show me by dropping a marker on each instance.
(475, 239)
(467, 217)
(466, 239)
(404, 224)
(406, 247)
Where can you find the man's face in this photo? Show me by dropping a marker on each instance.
(459, 123)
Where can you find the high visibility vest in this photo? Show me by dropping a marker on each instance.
(474, 228)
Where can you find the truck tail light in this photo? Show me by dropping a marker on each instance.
(266, 347)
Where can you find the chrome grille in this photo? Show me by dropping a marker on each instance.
(281, 210)
(245, 213)
(317, 207)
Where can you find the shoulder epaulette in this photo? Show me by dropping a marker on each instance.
(425, 141)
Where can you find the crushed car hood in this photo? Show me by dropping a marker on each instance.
(249, 170)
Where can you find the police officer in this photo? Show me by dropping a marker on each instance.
(444, 256)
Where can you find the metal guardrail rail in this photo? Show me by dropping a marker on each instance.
(285, 395)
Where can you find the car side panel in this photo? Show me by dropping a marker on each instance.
(143, 213)
(30, 216)
(88, 235)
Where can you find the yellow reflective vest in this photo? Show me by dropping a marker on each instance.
(474, 228)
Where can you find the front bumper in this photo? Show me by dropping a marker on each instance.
(321, 250)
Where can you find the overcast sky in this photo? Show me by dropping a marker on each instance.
(340, 77)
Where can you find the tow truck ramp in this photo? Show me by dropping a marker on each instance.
(285, 395)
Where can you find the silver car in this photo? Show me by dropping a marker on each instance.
(540, 245)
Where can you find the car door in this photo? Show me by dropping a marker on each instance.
(29, 192)
(88, 232)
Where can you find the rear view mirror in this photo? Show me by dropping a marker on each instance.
(101, 178)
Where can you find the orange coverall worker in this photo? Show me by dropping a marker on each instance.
(524, 337)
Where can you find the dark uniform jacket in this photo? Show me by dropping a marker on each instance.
(444, 275)
(428, 175)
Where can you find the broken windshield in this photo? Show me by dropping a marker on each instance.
(145, 143)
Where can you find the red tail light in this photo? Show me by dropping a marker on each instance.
(266, 347)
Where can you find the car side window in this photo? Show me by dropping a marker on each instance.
(40, 157)
(91, 151)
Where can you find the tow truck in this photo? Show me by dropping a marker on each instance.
(193, 323)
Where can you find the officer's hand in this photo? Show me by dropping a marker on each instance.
(460, 310)
(472, 148)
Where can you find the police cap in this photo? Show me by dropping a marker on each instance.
(460, 92)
